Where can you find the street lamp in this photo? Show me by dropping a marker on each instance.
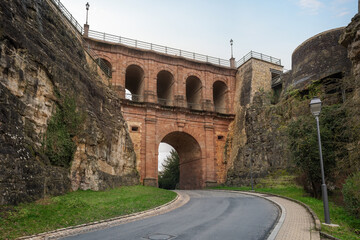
(87, 10)
(231, 43)
(315, 107)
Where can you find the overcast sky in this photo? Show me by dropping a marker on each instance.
(272, 27)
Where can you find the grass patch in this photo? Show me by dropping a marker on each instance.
(77, 208)
(349, 225)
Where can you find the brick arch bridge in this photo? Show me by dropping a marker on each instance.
(186, 103)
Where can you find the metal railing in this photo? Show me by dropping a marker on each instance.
(134, 97)
(257, 55)
(154, 47)
(103, 66)
(69, 16)
(157, 48)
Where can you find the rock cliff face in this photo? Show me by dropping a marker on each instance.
(41, 63)
(259, 133)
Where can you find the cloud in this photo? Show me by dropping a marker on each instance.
(311, 6)
(340, 14)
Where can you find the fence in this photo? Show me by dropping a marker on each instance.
(154, 47)
(157, 48)
(257, 55)
(103, 66)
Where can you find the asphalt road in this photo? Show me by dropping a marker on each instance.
(208, 215)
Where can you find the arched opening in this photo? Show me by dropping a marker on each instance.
(189, 152)
(134, 82)
(219, 96)
(165, 82)
(105, 65)
(193, 92)
(168, 167)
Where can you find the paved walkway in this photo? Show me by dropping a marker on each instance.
(296, 222)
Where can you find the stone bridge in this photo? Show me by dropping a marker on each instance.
(186, 103)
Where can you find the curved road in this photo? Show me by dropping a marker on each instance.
(208, 215)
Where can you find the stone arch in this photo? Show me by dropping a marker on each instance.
(189, 150)
(165, 87)
(193, 92)
(134, 82)
(220, 92)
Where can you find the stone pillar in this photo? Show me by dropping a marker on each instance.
(209, 155)
(86, 30)
(179, 101)
(151, 168)
(207, 105)
(232, 61)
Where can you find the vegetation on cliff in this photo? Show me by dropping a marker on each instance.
(63, 126)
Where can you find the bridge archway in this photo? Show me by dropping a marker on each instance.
(193, 92)
(189, 151)
(220, 96)
(134, 82)
(165, 86)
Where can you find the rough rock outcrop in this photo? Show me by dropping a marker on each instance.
(41, 62)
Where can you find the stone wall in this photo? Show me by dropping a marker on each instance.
(318, 57)
(41, 62)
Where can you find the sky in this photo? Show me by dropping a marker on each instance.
(272, 27)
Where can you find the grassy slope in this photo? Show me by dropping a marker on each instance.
(77, 208)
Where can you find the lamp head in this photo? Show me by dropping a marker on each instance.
(231, 42)
(87, 6)
(315, 106)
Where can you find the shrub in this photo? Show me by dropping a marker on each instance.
(351, 192)
(304, 146)
(62, 127)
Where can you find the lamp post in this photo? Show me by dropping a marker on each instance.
(231, 44)
(87, 10)
(315, 107)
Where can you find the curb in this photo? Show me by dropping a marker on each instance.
(178, 201)
(328, 236)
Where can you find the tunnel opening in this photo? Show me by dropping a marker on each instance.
(134, 82)
(190, 162)
(219, 96)
(193, 92)
(168, 167)
(165, 82)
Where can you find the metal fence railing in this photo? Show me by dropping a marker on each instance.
(260, 56)
(62, 9)
(153, 47)
(69, 16)
(157, 48)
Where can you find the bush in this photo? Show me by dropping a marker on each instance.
(169, 176)
(63, 125)
(351, 192)
(304, 146)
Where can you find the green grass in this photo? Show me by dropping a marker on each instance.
(77, 208)
(349, 225)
